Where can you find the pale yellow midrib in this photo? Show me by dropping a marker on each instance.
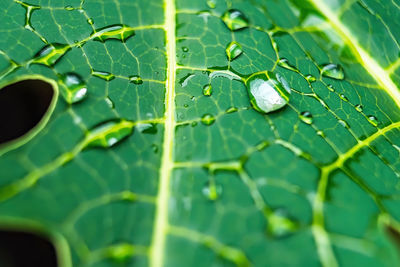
(161, 216)
(381, 76)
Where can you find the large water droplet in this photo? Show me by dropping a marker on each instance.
(268, 92)
(207, 90)
(149, 128)
(333, 71)
(118, 31)
(284, 63)
(306, 117)
(233, 50)
(103, 75)
(185, 80)
(73, 88)
(207, 119)
(212, 191)
(235, 20)
(50, 54)
(136, 79)
(109, 133)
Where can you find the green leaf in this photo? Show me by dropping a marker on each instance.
(164, 159)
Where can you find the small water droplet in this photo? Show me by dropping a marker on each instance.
(359, 107)
(231, 110)
(148, 128)
(279, 225)
(109, 102)
(212, 191)
(211, 3)
(118, 31)
(185, 105)
(136, 79)
(185, 49)
(233, 50)
(373, 120)
(321, 133)
(284, 63)
(103, 75)
(154, 147)
(50, 54)
(194, 123)
(72, 88)
(208, 119)
(306, 117)
(343, 97)
(69, 8)
(235, 20)
(120, 253)
(109, 133)
(330, 88)
(333, 71)
(90, 21)
(310, 78)
(207, 90)
(344, 124)
(268, 92)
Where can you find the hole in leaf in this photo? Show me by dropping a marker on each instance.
(19, 249)
(22, 106)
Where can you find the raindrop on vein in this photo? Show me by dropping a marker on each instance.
(306, 117)
(235, 20)
(73, 88)
(233, 50)
(333, 71)
(268, 92)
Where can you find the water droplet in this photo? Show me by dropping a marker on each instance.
(333, 71)
(268, 93)
(344, 124)
(50, 54)
(359, 107)
(185, 80)
(233, 50)
(136, 79)
(120, 252)
(284, 63)
(306, 117)
(330, 88)
(154, 147)
(194, 123)
(118, 31)
(235, 20)
(321, 133)
(231, 110)
(208, 119)
(185, 105)
(224, 73)
(310, 78)
(72, 88)
(211, 3)
(343, 97)
(279, 225)
(90, 21)
(207, 90)
(212, 191)
(109, 133)
(148, 128)
(103, 75)
(373, 120)
(69, 8)
(185, 49)
(109, 102)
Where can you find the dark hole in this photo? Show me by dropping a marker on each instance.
(22, 105)
(21, 249)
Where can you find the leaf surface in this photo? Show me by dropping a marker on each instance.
(154, 154)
